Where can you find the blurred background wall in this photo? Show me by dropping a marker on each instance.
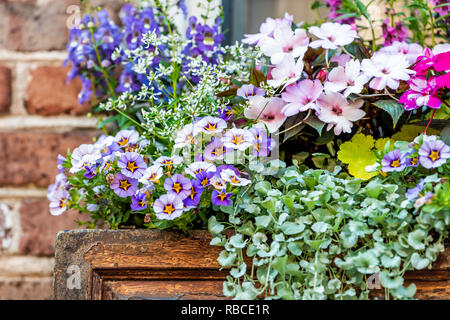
(40, 118)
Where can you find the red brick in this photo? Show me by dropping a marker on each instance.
(39, 228)
(33, 288)
(29, 157)
(5, 89)
(30, 25)
(49, 94)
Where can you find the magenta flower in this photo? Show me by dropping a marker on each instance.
(124, 186)
(433, 154)
(178, 185)
(221, 198)
(132, 165)
(423, 92)
(168, 207)
(397, 33)
(301, 96)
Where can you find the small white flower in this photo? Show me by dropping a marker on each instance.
(211, 125)
(151, 175)
(84, 155)
(198, 167)
(218, 183)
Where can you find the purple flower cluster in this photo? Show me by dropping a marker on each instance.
(396, 33)
(431, 154)
(335, 6)
(205, 42)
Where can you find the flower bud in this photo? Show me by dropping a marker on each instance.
(322, 75)
(110, 178)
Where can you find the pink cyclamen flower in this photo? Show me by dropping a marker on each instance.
(267, 111)
(285, 41)
(332, 35)
(301, 96)
(348, 79)
(267, 28)
(422, 92)
(335, 110)
(287, 72)
(386, 70)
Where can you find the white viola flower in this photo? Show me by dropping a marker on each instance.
(267, 111)
(230, 176)
(267, 29)
(332, 35)
(411, 51)
(301, 96)
(84, 155)
(349, 79)
(59, 202)
(169, 162)
(151, 175)
(286, 72)
(198, 167)
(335, 110)
(211, 125)
(127, 137)
(104, 142)
(186, 136)
(386, 70)
(285, 42)
(238, 139)
(218, 183)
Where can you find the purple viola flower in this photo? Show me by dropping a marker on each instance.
(221, 198)
(193, 199)
(394, 161)
(225, 113)
(132, 165)
(168, 207)
(262, 144)
(414, 193)
(412, 161)
(60, 162)
(203, 179)
(178, 185)
(126, 137)
(249, 90)
(91, 171)
(124, 186)
(58, 202)
(215, 150)
(433, 154)
(227, 166)
(139, 201)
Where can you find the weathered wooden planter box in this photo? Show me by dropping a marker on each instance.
(143, 264)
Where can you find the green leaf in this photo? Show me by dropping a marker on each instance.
(237, 241)
(418, 262)
(315, 123)
(415, 239)
(263, 221)
(280, 265)
(390, 282)
(445, 135)
(394, 109)
(295, 248)
(214, 227)
(263, 187)
(290, 228)
(226, 258)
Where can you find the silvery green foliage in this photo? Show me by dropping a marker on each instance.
(312, 234)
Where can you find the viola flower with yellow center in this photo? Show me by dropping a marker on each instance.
(394, 161)
(186, 136)
(194, 197)
(238, 139)
(168, 207)
(211, 125)
(126, 137)
(433, 154)
(124, 186)
(230, 176)
(152, 175)
(218, 183)
(58, 202)
(139, 201)
(200, 167)
(411, 159)
(178, 185)
(132, 165)
(168, 162)
(221, 198)
(215, 150)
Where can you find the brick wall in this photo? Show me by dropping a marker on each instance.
(39, 118)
